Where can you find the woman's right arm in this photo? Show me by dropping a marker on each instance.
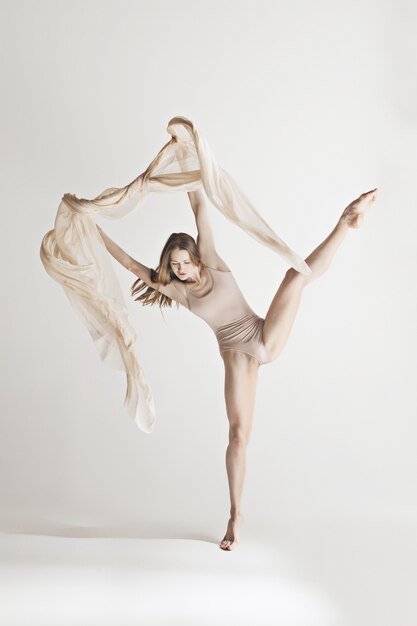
(117, 252)
(142, 271)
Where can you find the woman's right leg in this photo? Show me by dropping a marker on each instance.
(284, 306)
(241, 377)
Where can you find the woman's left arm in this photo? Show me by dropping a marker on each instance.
(205, 237)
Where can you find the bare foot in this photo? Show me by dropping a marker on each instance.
(231, 538)
(352, 216)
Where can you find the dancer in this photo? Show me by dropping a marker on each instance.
(193, 274)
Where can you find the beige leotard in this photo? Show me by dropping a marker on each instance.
(235, 324)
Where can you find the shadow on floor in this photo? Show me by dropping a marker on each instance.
(141, 531)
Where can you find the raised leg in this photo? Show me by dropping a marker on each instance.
(285, 304)
(241, 376)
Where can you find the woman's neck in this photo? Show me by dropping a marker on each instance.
(200, 278)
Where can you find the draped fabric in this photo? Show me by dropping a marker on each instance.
(74, 254)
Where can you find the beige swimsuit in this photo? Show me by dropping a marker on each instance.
(235, 324)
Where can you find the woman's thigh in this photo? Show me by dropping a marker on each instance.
(282, 312)
(240, 382)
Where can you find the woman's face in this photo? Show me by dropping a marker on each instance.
(181, 264)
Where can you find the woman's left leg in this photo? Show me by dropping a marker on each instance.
(284, 306)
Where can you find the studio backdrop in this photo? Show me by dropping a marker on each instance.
(288, 112)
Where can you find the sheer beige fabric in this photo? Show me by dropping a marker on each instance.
(74, 254)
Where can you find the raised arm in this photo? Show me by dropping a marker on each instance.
(141, 271)
(116, 251)
(205, 237)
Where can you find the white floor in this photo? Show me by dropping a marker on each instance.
(351, 572)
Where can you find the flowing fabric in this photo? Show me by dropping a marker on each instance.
(74, 254)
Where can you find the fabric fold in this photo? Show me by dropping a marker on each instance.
(74, 254)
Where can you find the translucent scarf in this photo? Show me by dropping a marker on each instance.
(74, 254)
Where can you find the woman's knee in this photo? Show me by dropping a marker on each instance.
(238, 435)
(292, 276)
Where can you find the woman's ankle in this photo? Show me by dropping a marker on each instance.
(234, 515)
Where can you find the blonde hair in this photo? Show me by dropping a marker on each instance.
(163, 273)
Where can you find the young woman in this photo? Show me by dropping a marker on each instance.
(194, 275)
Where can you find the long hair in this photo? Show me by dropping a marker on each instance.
(163, 273)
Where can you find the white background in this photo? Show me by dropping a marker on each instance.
(307, 105)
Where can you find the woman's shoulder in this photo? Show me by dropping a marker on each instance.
(221, 271)
(215, 262)
(176, 291)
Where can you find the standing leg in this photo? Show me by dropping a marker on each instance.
(284, 306)
(241, 376)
